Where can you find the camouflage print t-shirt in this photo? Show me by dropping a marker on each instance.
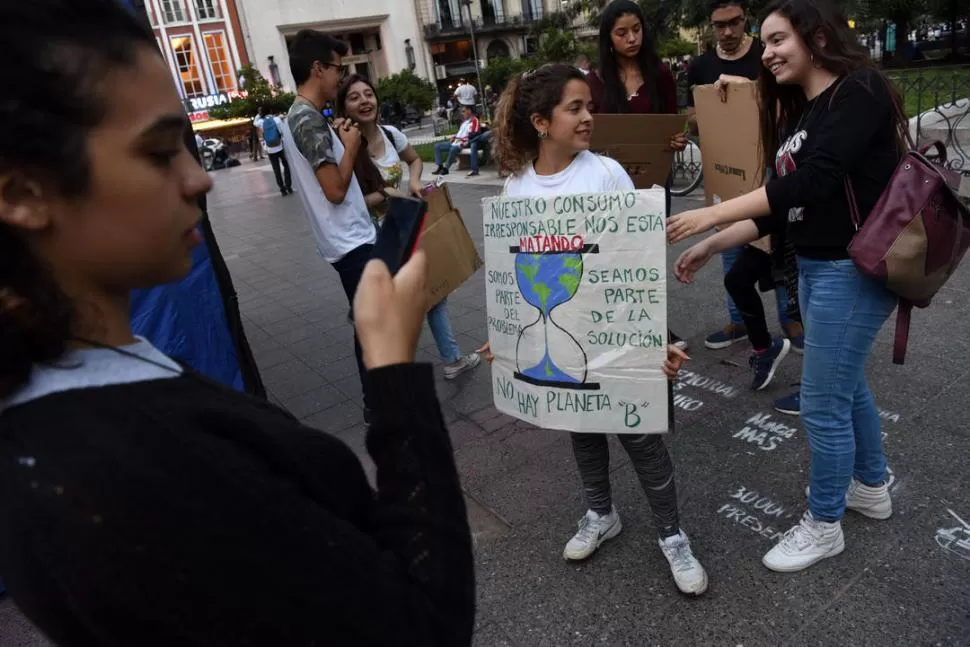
(311, 133)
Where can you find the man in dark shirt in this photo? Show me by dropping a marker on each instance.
(739, 55)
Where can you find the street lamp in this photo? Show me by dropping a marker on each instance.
(478, 71)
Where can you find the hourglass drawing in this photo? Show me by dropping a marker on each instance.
(545, 353)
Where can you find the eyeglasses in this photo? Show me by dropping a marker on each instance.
(726, 24)
(341, 69)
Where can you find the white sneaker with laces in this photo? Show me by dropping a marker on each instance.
(689, 575)
(872, 502)
(806, 544)
(466, 363)
(594, 529)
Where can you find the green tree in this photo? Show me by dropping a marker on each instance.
(408, 89)
(662, 16)
(259, 93)
(499, 70)
(675, 47)
(558, 46)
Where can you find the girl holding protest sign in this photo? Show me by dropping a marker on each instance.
(542, 133)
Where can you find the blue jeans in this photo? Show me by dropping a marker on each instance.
(445, 147)
(479, 143)
(842, 311)
(442, 333)
(781, 294)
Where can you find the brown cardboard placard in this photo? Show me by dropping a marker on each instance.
(451, 253)
(730, 138)
(640, 143)
(439, 202)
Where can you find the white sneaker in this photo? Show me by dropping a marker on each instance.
(690, 576)
(466, 363)
(806, 544)
(594, 529)
(872, 502)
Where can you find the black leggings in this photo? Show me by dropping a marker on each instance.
(350, 268)
(653, 467)
(753, 267)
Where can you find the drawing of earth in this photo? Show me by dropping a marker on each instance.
(547, 281)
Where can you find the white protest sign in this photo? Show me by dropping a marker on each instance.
(577, 310)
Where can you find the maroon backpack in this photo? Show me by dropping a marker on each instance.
(916, 234)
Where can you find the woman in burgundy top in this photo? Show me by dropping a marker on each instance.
(631, 77)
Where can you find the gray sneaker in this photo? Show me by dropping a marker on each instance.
(466, 363)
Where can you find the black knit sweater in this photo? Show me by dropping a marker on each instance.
(175, 512)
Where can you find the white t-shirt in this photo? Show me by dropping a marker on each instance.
(95, 367)
(258, 122)
(467, 94)
(338, 228)
(588, 173)
(390, 165)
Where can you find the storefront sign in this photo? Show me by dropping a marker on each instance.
(198, 107)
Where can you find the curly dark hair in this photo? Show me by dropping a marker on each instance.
(58, 53)
(516, 142)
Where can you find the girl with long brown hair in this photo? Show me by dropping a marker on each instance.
(387, 165)
(827, 115)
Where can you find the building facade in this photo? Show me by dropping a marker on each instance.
(383, 36)
(202, 43)
(502, 28)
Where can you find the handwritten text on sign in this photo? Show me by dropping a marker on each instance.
(577, 310)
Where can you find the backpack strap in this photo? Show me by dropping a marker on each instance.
(903, 313)
(390, 136)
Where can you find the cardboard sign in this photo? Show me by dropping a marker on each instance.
(577, 310)
(452, 257)
(641, 143)
(730, 138)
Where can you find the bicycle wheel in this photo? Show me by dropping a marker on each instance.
(687, 170)
(681, 190)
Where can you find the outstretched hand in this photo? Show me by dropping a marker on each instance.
(690, 223)
(691, 261)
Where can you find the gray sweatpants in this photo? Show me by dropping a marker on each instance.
(653, 466)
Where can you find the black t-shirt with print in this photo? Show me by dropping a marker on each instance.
(851, 135)
(708, 68)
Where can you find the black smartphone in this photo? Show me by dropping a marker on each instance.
(398, 237)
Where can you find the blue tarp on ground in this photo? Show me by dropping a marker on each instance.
(187, 321)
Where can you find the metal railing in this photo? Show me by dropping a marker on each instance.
(936, 101)
(484, 24)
